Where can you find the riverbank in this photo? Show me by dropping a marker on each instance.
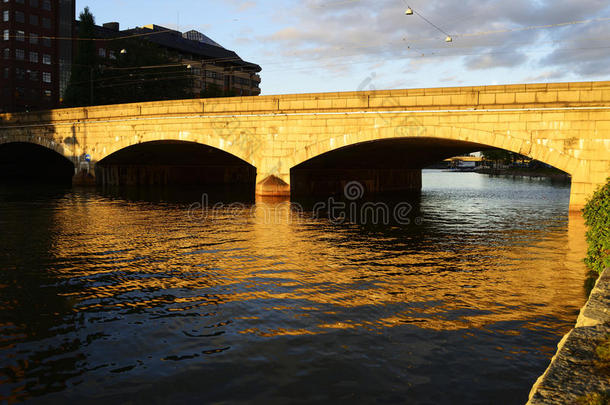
(551, 173)
(576, 373)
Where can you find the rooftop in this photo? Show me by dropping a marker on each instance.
(191, 42)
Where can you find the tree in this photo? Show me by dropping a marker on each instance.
(497, 156)
(142, 72)
(597, 219)
(85, 64)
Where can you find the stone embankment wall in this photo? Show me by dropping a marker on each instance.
(573, 372)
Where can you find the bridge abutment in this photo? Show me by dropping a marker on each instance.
(272, 186)
(84, 177)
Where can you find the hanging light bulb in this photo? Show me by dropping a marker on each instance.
(409, 11)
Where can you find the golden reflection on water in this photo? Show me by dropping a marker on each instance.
(143, 273)
(134, 249)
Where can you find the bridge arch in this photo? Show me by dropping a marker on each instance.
(29, 162)
(478, 139)
(173, 162)
(239, 146)
(391, 159)
(42, 141)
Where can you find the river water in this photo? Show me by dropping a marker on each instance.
(110, 297)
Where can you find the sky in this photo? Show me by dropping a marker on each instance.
(347, 45)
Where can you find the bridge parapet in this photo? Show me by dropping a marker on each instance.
(507, 97)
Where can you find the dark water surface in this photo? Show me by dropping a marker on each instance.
(113, 299)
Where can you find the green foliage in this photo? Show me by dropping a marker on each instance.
(603, 351)
(498, 155)
(597, 219)
(145, 72)
(502, 156)
(596, 398)
(85, 64)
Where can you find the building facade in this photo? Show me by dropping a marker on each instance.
(37, 50)
(215, 69)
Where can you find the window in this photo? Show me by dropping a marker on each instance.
(46, 5)
(48, 93)
(34, 75)
(112, 55)
(7, 53)
(19, 16)
(7, 35)
(20, 74)
(34, 57)
(46, 41)
(33, 38)
(102, 52)
(19, 54)
(20, 36)
(46, 77)
(6, 15)
(46, 59)
(20, 1)
(46, 23)
(7, 72)
(33, 3)
(213, 75)
(33, 19)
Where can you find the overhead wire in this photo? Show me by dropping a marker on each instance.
(406, 39)
(307, 63)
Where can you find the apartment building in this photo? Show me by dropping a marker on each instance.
(212, 65)
(37, 48)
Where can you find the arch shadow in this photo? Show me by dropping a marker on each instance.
(174, 163)
(26, 162)
(382, 165)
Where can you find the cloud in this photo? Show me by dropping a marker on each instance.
(488, 34)
(545, 76)
(242, 6)
(584, 51)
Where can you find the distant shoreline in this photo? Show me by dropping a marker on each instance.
(550, 173)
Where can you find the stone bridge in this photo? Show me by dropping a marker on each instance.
(382, 138)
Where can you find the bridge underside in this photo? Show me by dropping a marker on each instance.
(174, 163)
(387, 165)
(22, 162)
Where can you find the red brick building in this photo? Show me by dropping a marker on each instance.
(36, 52)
